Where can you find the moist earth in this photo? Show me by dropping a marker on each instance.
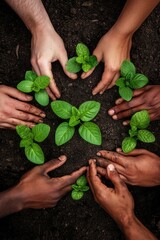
(75, 21)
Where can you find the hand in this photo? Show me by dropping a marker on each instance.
(140, 167)
(14, 110)
(48, 47)
(38, 190)
(147, 98)
(112, 49)
(117, 201)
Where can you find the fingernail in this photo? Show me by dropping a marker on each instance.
(32, 125)
(115, 117)
(111, 112)
(42, 115)
(101, 92)
(40, 121)
(94, 93)
(111, 167)
(124, 123)
(98, 154)
(62, 158)
(92, 160)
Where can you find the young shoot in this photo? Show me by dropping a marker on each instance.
(129, 80)
(82, 116)
(83, 61)
(139, 122)
(38, 133)
(79, 188)
(37, 84)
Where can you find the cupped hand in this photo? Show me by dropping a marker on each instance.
(47, 47)
(139, 167)
(14, 109)
(38, 190)
(116, 201)
(112, 49)
(147, 98)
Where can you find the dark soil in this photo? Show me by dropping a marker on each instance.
(76, 21)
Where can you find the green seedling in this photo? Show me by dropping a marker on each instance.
(89, 131)
(37, 84)
(38, 133)
(79, 188)
(83, 60)
(139, 122)
(129, 80)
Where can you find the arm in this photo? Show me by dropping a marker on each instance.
(120, 197)
(37, 190)
(46, 46)
(115, 45)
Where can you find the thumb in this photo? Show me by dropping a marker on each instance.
(54, 163)
(115, 178)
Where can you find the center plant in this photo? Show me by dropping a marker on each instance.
(82, 116)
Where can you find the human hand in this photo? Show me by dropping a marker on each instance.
(14, 109)
(147, 98)
(139, 167)
(38, 190)
(47, 47)
(117, 201)
(112, 49)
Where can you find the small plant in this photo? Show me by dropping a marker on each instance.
(37, 84)
(38, 133)
(79, 188)
(129, 80)
(139, 122)
(89, 131)
(83, 60)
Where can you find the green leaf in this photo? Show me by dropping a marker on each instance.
(128, 144)
(76, 187)
(93, 61)
(73, 66)
(42, 97)
(82, 180)
(73, 121)
(127, 67)
(30, 75)
(26, 142)
(25, 86)
(62, 109)
(63, 133)
(34, 153)
(82, 50)
(126, 93)
(132, 133)
(120, 82)
(80, 59)
(91, 133)
(86, 67)
(75, 112)
(140, 119)
(23, 131)
(76, 195)
(146, 136)
(88, 110)
(42, 81)
(35, 87)
(40, 132)
(84, 188)
(138, 81)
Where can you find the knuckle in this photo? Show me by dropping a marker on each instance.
(41, 61)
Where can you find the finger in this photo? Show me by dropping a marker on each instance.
(25, 107)
(87, 74)
(70, 179)
(105, 81)
(136, 152)
(113, 81)
(102, 171)
(63, 60)
(115, 178)
(7, 125)
(15, 122)
(15, 93)
(45, 69)
(35, 66)
(89, 182)
(26, 117)
(112, 156)
(135, 94)
(53, 164)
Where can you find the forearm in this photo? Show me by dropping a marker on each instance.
(134, 229)
(133, 15)
(31, 12)
(10, 202)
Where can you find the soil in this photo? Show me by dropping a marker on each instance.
(75, 21)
